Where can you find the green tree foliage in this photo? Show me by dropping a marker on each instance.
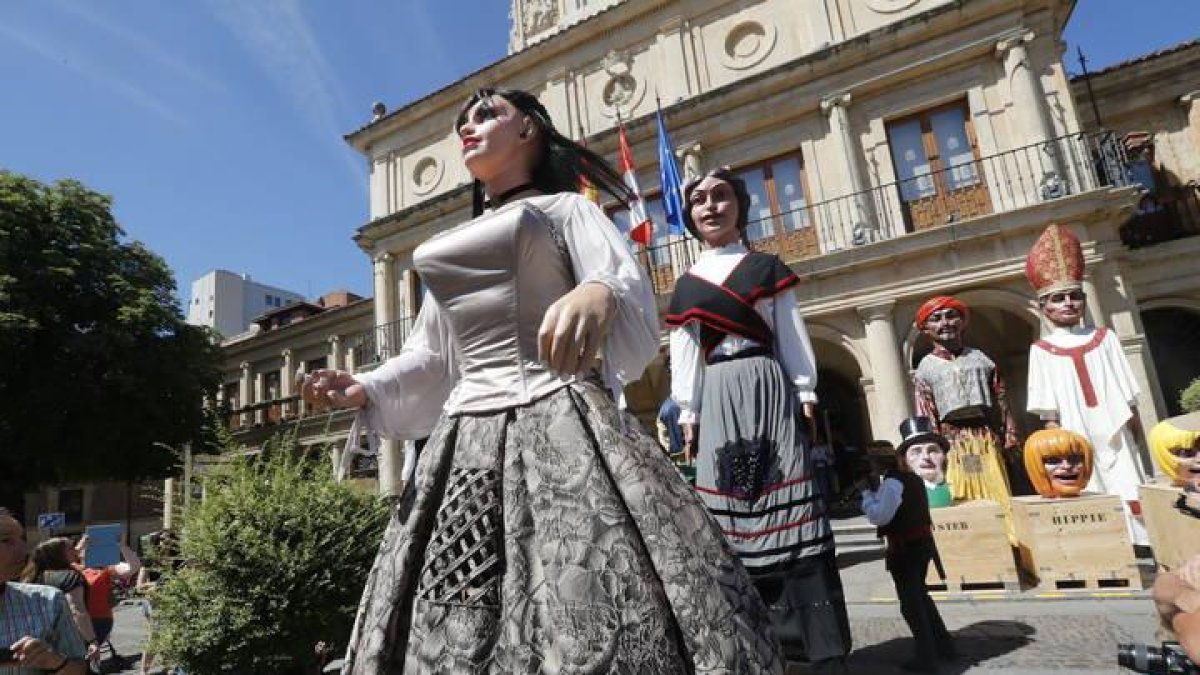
(1189, 399)
(100, 373)
(277, 556)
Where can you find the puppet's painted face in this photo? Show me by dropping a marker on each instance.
(1188, 472)
(1066, 474)
(945, 325)
(1064, 308)
(496, 137)
(927, 460)
(714, 210)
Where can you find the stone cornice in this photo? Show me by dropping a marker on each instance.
(841, 67)
(300, 335)
(1018, 228)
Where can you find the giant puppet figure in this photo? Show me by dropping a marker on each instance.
(960, 389)
(1079, 378)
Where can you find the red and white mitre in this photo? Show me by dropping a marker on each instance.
(1055, 263)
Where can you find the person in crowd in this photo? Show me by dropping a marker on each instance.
(961, 389)
(163, 556)
(670, 435)
(50, 565)
(899, 507)
(101, 581)
(1079, 378)
(35, 620)
(743, 367)
(586, 551)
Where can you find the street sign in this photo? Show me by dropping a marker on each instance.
(52, 521)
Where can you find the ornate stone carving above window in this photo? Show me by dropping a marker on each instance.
(623, 91)
(890, 6)
(426, 175)
(540, 15)
(747, 44)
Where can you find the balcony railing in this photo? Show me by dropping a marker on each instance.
(378, 344)
(263, 413)
(998, 183)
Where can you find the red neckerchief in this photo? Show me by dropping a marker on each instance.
(1076, 355)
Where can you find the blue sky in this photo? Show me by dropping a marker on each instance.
(216, 125)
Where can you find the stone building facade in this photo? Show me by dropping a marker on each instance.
(895, 149)
(1155, 101)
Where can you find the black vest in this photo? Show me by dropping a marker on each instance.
(728, 308)
(912, 521)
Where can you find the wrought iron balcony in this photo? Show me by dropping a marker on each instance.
(998, 183)
(374, 346)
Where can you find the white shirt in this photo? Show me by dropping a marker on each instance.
(792, 345)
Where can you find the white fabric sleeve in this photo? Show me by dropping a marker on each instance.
(687, 373)
(408, 392)
(793, 346)
(1039, 390)
(600, 254)
(1125, 379)
(879, 506)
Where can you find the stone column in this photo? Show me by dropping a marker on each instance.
(260, 395)
(1095, 306)
(386, 291)
(245, 391)
(854, 217)
(1032, 118)
(677, 82)
(335, 352)
(1027, 98)
(1125, 320)
(168, 513)
(691, 158)
(287, 382)
(1191, 103)
(893, 397)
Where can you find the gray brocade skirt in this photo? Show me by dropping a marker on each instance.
(543, 539)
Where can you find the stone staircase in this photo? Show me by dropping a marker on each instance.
(855, 534)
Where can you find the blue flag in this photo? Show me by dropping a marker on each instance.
(668, 176)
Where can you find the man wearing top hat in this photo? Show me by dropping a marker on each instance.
(899, 507)
(1079, 378)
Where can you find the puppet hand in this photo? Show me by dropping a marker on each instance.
(574, 328)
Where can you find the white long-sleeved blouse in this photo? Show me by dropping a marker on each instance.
(792, 345)
(433, 375)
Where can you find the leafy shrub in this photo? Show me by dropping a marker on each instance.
(276, 556)
(1189, 400)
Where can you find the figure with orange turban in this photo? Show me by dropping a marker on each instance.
(1079, 378)
(960, 387)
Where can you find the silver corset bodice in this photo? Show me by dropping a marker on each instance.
(962, 387)
(494, 278)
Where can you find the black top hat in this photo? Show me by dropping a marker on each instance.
(919, 430)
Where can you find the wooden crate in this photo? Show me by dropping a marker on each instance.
(1075, 543)
(1174, 536)
(974, 548)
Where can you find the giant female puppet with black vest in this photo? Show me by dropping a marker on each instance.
(743, 369)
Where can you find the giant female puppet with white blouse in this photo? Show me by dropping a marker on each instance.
(744, 376)
(546, 531)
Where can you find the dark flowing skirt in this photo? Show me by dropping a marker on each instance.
(545, 539)
(754, 474)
